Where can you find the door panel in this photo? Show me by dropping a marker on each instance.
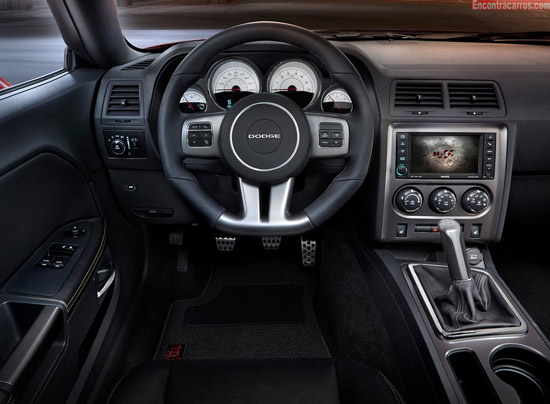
(48, 158)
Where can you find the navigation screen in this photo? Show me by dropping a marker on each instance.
(444, 154)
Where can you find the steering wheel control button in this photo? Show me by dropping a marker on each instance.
(199, 134)
(264, 136)
(408, 200)
(331, 134)
(442, 200)
(475, 200)
(401, 230)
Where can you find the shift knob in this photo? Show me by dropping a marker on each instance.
(455, 250)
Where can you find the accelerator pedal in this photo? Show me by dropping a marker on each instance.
(309, 250)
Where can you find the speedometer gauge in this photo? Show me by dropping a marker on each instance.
(192, 101)
(231, 80)
(295, 80)
(338, 101)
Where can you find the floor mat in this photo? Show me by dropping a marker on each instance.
(250, 304)
(258, 304)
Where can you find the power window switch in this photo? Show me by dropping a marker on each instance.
(401, 230)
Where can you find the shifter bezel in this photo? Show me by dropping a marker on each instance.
(498, 331)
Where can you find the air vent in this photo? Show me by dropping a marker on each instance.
(124, 100)
(414, 95)
(144, 64)
(472, 95)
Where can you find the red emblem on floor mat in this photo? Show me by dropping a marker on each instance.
(174, 352)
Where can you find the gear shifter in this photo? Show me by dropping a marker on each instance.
(455, 249)
(463, 299)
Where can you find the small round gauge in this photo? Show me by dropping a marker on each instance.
(193, 100)
(232, 80)
(337, 101)
(296, 80)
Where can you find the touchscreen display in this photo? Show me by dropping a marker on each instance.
(444, 154)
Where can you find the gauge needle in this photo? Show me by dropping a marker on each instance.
(284, 89)
(335, 103)
(189, 104)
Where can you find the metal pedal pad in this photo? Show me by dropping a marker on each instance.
(271, 243)
(309, 248)
(225, 243)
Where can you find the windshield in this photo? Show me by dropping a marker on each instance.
(149, 23)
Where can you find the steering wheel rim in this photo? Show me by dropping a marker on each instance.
(279, 221)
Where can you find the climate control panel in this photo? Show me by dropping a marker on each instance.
(442, 200)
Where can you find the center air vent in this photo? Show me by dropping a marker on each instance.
(124, 100)
(415, 95)
(467, 95)
(144, 64)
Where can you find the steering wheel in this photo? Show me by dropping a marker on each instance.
(266, 139)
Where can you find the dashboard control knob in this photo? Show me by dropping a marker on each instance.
(408, 200)
(401, 171)
(442, 200)
(475, 200)
(118, 147)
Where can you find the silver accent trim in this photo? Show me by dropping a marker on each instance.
(317, 151)
(215, 119)
(107, 285)
(518, 330)
(264, 169)
(279, 221)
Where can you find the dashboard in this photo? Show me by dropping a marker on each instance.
(454, 120)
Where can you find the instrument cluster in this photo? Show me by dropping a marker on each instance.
(232, 79)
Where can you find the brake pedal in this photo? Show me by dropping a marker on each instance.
(309, 249)
(271, 243)
(225, 243)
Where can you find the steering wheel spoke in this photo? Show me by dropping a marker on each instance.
(329, 136)
(277, 221)
(200, 135)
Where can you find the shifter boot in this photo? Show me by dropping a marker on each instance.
(464, 305)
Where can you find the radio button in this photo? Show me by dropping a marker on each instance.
(401, 171)
(402, 151)
(442, 200)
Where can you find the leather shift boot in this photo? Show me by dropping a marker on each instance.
(465, 305)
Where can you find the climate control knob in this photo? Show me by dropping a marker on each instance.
(475, 200)
(442, 200)
(408, 200)
(118, 147)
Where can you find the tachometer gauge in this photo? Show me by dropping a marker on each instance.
(192, 101)
(338, 101)
(295, 80)
(231, 80)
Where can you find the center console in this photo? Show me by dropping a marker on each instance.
(434, 171)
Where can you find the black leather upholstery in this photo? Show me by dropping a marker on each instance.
(319, 381)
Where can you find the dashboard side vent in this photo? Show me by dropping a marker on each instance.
(473, 95)
(124, 100)
(414, 95)
(144, 64)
